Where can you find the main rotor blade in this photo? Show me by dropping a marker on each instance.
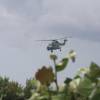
(43, 40)
(63, 38)
(54, 39)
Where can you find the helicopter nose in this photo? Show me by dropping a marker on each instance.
(48, 48)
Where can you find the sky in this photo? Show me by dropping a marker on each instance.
(24, 21)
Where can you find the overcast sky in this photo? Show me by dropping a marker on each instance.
(23, 21)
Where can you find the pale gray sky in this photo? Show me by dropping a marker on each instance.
(23, 21)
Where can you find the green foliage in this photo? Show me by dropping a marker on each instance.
(84, 86)
(10, 90)
(31, 84)
(94, 72)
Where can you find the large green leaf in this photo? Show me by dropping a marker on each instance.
(85, 87)
(96, 97)
(94, 71)
(62, 65)
(74, 84)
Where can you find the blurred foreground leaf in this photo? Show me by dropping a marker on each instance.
(85, 87)
(72, 55)
(94, 71)
(62, 65)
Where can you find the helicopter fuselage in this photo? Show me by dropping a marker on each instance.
(51, 48)
(55, 45)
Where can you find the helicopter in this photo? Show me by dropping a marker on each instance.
(55, 44)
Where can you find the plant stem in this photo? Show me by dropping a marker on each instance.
(56, 81)
(50, 98)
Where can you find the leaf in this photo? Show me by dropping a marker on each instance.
(53, 56)
(62, 65)
(96, 97)
(72, 55)
(34, 96)
(94, 71)
(68, 80)
(82, 72)
(85, 87)
(73, 85)
(59, 97)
